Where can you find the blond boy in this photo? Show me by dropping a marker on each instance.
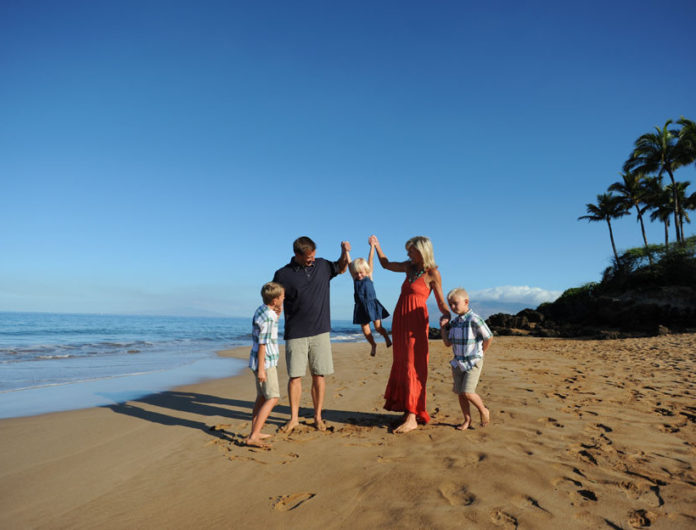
(263, 360)
(469, 337)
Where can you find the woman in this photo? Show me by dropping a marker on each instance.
(406, 387)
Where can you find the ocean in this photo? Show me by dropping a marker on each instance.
(52, 362)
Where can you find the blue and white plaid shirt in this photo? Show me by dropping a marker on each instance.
(467, 334)
(264, 331)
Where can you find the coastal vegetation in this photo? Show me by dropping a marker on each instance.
(641, 188)
(647, 290)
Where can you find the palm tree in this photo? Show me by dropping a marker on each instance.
(687, 140)
(608, 207)
(690, 202)
(632, 195)
(681, 194)
(656, 153)
(660, 202)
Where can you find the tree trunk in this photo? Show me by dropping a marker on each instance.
(613, 246)
(675, 197)
(645, 239)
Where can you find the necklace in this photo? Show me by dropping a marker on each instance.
(413, 276)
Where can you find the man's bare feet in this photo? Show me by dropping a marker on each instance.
(256, 442)
(289, 426)
(485, 417)
(464, 426)
(319, 424)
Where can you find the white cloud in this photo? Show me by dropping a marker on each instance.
(523, 294)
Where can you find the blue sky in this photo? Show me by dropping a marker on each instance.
(161, 156)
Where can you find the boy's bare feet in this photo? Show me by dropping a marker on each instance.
(319, 424)
(485, 417)
(256, 442)
(289, 426)
(464, 426)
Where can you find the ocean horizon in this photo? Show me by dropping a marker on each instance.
(51, 362)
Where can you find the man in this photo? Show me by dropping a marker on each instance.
(308, 323)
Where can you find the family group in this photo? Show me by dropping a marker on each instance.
(301, 289)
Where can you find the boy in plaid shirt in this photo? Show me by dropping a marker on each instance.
(263, 360)
(469, 337)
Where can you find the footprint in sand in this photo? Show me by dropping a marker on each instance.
(665, 427)
(457, 495)
(502, 518)
(639, 519)
(285, 503)
(525, 501)
(588, 495)
(552, 421)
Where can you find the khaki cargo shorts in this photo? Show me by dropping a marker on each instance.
(315, 351)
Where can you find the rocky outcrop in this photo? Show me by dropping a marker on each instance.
(652, 311)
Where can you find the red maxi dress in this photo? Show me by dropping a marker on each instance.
(406, 387)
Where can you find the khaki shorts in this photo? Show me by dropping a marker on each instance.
(315, 351)
(269, 388)
(466, 381)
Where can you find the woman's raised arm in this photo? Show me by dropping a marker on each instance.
(394, 266)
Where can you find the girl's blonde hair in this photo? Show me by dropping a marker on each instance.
(423, 245)
(359, 265)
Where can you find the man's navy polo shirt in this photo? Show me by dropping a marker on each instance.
(307, 304)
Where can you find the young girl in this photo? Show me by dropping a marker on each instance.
(367, 307)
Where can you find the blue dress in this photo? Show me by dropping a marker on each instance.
(367, 307)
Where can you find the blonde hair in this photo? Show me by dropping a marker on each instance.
(359, 265)
(423, 245)
(270, 291)
(457, 292)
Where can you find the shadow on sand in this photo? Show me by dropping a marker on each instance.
(199, 407)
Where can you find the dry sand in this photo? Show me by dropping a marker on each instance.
(584, 434)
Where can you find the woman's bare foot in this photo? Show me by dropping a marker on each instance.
(408, 425)
(289, 426)
(485, 417)
(319, 424)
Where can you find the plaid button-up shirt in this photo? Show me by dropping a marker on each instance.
(467, 333)
(264, 331)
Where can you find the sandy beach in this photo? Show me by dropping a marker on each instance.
(584, 434)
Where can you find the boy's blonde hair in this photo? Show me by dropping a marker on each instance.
(457, 291)
(359, 265)
(270, 291)
(423, 245)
